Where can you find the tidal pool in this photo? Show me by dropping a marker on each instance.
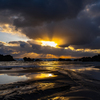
(16, 77)
(5, 79)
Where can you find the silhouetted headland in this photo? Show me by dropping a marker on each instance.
(60, 59)
(27, 59)
(31, 59)
(83, 59)
(89, 59)
(6, 58)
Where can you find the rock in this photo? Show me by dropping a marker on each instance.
(6, 58)
(27, 59)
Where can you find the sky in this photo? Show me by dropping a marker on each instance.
(50, 28)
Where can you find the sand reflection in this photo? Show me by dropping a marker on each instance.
(41, 75)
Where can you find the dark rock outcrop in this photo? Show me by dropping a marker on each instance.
(87, 59)
(96, 58)
(31, 59)
(38, 60)
(27, 59)
(6, 58)
(61, 59)
(68, 60)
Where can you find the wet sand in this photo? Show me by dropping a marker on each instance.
(59, 85)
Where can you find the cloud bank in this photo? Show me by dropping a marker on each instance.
(67, 22)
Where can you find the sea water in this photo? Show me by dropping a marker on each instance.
(14, 71)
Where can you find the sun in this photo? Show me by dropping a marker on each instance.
(49, 43)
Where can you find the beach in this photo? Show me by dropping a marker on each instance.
(50, 82)
(49, 49)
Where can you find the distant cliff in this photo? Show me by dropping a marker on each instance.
(6, 58)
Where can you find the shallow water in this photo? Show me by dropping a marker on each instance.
(17, 70)
(89, 71)
(16, 77)
(67, 64)
(50, 80)
(5, 79)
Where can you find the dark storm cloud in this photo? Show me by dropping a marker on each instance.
(6, 50)
(93, 45)
(36, 12)
(44, 50)
(78, 32)
(76, 22)
(22, 44)
(1, 44)
(73, 32)
(14, 42)
(82, 30)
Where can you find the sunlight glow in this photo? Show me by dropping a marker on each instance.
(43, 75)
(50, 75)
(49, 43)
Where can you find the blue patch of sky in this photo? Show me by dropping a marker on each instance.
(5, 37)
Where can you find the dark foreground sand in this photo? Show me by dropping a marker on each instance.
(67, 85)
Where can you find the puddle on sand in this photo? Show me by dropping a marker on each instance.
(15, 77)
(41, 76)
(4, 78)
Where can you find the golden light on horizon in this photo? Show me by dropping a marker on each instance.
(49, 43)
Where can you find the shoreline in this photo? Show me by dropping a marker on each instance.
(63, 87)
